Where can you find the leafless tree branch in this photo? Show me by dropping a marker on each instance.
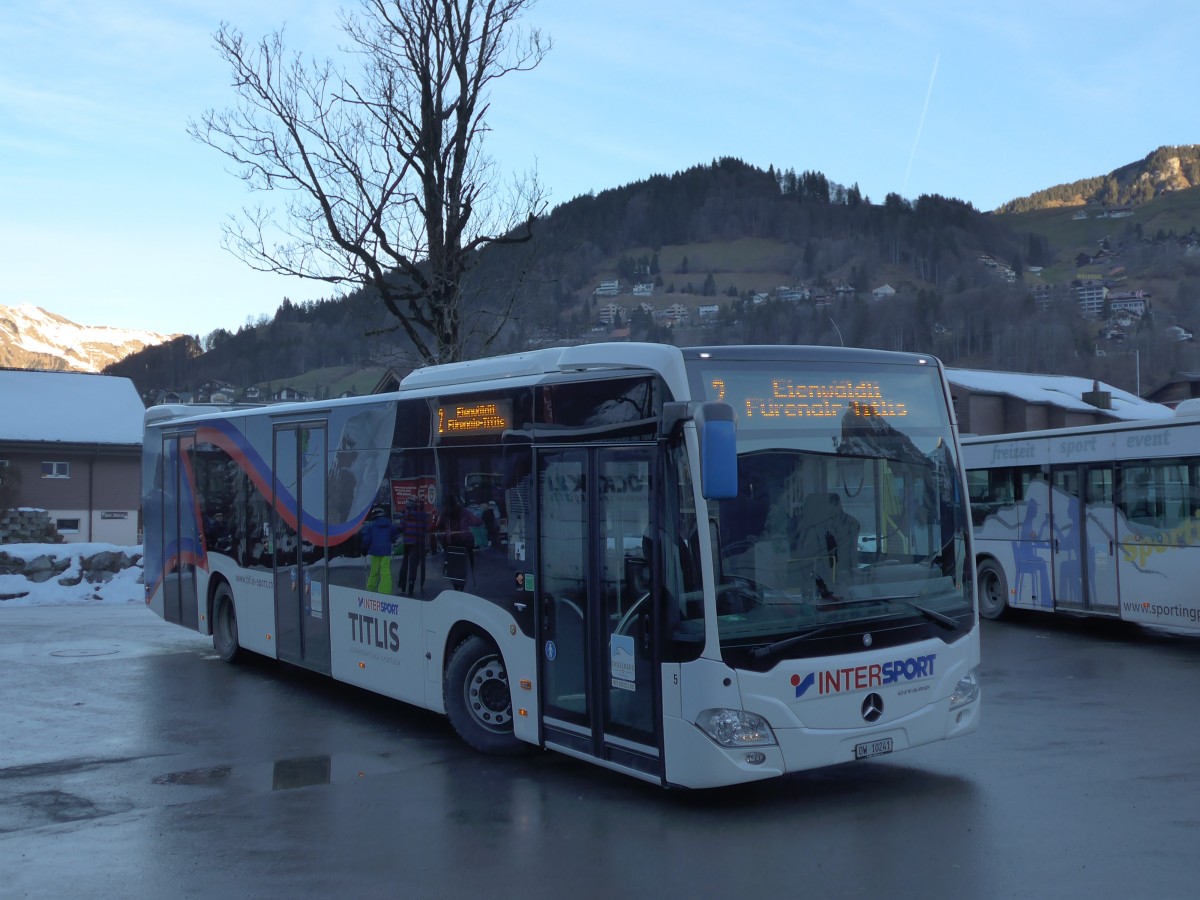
(384, 178)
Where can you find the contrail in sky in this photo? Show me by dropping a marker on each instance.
(921, 124)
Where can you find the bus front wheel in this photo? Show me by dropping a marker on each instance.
(224, 625)
(993, 590)
(478, 699)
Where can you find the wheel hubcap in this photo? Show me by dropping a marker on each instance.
(991, 592)
(487, 694)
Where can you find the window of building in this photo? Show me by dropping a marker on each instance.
(56, 470)
(67, 526)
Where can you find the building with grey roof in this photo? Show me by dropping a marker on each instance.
(70, 444)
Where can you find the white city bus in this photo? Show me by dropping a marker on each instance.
(695, 566)
(1098, 520)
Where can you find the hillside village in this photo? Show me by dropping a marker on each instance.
(1099, 288)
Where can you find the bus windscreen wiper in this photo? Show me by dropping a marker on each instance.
(906, 599)
(764, 650)
(940, 618)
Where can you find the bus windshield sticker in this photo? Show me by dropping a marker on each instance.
(624, 671)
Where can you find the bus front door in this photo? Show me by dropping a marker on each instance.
(300, 545)
(1084, 547)
(598, 654)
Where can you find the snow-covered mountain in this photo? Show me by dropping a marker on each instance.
(32, 338)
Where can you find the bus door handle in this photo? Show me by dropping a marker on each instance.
(645, 628)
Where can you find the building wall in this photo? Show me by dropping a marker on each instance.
(1174, 392)
(103, 492)
(997, 414)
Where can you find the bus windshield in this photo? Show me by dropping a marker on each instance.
(849, 520)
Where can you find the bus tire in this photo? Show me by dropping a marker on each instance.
(478, 698)
(993, 590)
(224, 628)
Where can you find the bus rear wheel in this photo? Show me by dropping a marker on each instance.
(993, 590)
(478, 698)
(224, 625)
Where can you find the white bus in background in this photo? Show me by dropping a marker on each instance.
(1100, 520)
(646, 557)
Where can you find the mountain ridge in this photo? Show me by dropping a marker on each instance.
(35, 338)
(1169, 168)
(980, 289)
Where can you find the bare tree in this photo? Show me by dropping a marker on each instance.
(386, 183)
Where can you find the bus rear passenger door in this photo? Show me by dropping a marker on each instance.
(1085, 571)
(598, 653)
(1100, 539)
(300, 545)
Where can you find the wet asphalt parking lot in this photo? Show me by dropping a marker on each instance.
(133, 763)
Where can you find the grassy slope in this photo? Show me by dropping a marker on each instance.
(1178, 211)
(335, 380)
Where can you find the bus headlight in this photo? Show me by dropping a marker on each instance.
(966, 691)
(735, 728)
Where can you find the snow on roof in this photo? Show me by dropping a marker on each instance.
(1065, 391)
(69, 407)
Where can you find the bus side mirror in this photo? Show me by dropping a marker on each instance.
(718, 450)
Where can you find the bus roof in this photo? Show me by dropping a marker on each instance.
(532, 366)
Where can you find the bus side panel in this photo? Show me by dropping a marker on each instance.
(376, 643)
(518, 650)
(254, 605)
(1153, 571)
(1017, 535)
(395, 646)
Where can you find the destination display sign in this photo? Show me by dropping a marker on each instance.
(766, 399)
(474, 417)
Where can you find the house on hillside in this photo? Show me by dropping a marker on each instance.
(1136, 303)
(609, 313)
(1178, 333)
(74, 441)
(389, 381)
(883, 292)
(1043, 296)
(1091, 297)
(216, 392)
(673, 315)
(171, 396)
(290, 395)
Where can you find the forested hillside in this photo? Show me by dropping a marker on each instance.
(727, 253)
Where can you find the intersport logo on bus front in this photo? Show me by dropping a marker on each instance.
(862, 678)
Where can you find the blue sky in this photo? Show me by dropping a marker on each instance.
(110, 214)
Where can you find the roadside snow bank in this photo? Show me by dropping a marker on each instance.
(58, 574)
